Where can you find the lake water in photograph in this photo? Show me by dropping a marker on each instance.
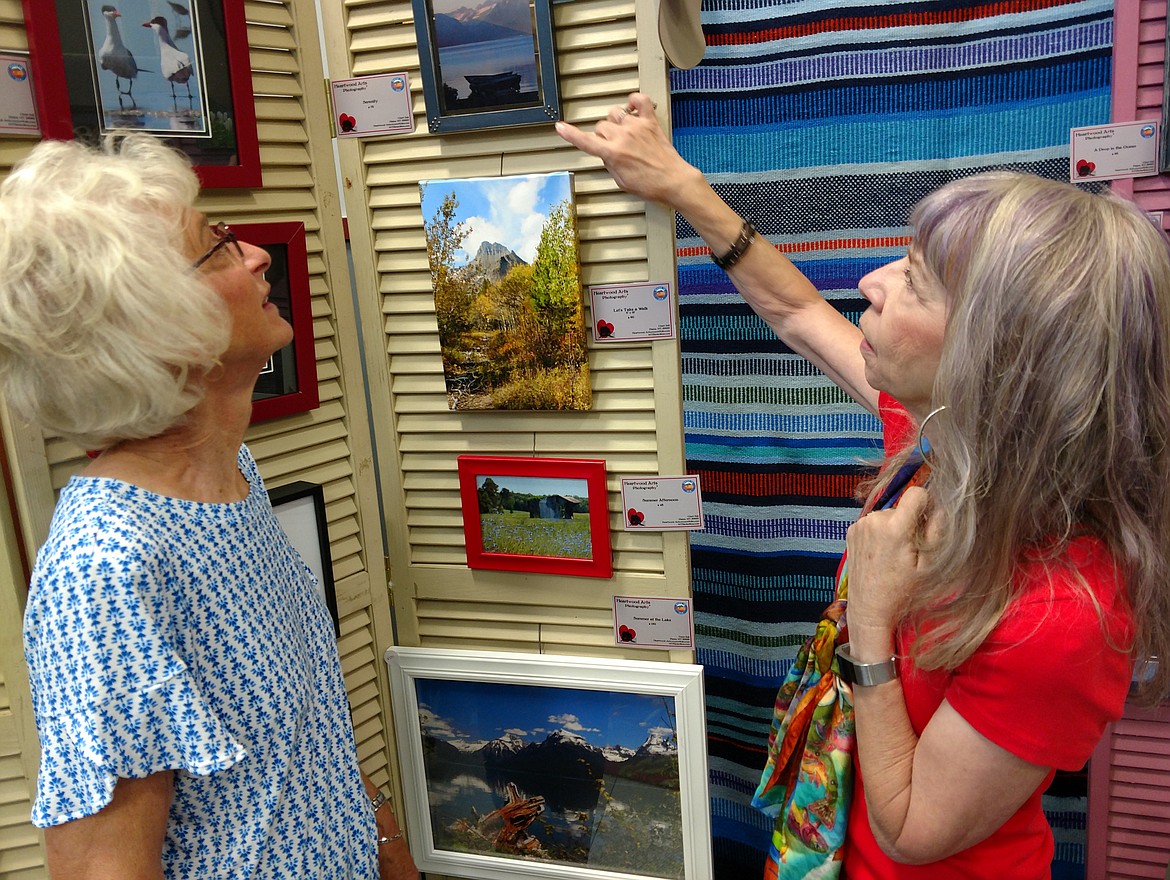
(622, 825)
(515, 54)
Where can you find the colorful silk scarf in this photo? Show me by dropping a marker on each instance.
(807, 784)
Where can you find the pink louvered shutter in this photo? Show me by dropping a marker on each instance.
(1129, 799)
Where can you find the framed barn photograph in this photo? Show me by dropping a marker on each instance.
(300, 507)
(176, 70)
(288, 383)
(545, 767)
(546, 515)
(490, 66)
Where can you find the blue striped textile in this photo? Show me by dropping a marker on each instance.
(825, 121)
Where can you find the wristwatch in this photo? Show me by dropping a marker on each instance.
(864, 674)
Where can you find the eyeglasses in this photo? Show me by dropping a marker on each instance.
(225, 237)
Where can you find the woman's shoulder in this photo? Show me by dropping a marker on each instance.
(1083, 561)
(1080, 588)
(102, 522)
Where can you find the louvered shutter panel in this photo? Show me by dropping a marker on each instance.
(635, 423)
(299, 185)
(1129, 799)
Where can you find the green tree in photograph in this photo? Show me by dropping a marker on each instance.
(453, 297)
(505, 307)
(556, 291)
(489, 497)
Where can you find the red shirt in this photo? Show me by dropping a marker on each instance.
(1042, 686)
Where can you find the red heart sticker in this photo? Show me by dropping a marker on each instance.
(347, 122)
(635, 517)
(626, 634)
(604, 329)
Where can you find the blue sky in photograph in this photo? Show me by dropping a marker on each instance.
(538, 485)
(505, 210)
(474, 713)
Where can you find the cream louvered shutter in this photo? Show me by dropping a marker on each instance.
(330, 445)
(635, 422)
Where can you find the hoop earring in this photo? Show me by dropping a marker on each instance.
(921, 428)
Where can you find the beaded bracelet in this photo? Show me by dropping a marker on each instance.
(747, 234)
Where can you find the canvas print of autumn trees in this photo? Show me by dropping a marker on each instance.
(507, 281)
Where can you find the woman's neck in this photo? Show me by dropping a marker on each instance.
(195, 461)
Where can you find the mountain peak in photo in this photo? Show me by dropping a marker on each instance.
(512, 14)
(493, 261)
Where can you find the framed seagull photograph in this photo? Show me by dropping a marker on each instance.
(176, 69)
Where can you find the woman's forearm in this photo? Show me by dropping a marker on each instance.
(886, 745)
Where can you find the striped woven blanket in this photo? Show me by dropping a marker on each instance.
(824, 121)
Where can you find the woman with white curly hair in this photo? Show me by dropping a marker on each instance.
(1008, 573)
(186, 684)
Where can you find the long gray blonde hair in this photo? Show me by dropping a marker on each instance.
(1056, 374)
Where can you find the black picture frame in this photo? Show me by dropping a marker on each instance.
(300, 507)
(510, 75)
(1164, 146)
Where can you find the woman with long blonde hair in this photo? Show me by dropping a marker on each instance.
(1007, 576)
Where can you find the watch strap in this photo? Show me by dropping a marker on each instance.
(861, 674)
(747, 234)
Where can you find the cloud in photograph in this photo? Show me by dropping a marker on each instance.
(510, 211)
(571, 722)
(514, 217)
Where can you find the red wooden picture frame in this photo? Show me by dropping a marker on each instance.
(61, 88)
(291, 384)
(536, 480)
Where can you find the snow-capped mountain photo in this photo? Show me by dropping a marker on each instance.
(555, 774)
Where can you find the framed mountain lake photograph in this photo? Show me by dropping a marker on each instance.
(544, 515)
(490, 66)
(546, 767)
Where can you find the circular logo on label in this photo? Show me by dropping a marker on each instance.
(398, 84)
(680, 607)
(660, 292)
(18, 71)
(1147, 131)
(688, 485)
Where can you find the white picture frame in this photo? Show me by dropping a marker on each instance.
(548, 718)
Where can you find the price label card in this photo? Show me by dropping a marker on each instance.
(372, 105)
(662, 504)
(632, 312)
(1112, 152)
(643, 622)
(18, 110)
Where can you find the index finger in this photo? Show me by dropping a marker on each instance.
(583, 141)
